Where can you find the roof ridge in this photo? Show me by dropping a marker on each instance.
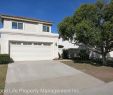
(25, 18)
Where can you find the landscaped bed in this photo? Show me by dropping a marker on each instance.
(103, 73)
(3, 72)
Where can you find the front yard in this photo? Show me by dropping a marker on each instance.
(3, 72)
(103, 73)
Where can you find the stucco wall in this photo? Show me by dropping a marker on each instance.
(29, 27)
(5, 38)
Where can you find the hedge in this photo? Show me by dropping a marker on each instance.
(5, 59)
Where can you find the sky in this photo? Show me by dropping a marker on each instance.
(50, 10)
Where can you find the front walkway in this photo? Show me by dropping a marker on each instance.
(43, 76)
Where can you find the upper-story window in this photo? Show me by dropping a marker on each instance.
(17, 25)
(46, 28)
(1, 24)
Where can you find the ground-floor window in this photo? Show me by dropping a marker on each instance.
(27, 43)
(16, 43)
(32, 43)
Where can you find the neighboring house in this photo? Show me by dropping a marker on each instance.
(96, 55)
(67, 45)
(27, 39)
(73, 49)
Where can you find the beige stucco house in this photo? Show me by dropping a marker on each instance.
(27, 39)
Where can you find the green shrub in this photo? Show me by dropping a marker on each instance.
(83, 54)
(5, 59)
(97, 61)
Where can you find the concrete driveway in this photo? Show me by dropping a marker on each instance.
(47, 77)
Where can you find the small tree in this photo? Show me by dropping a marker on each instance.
(93, 26)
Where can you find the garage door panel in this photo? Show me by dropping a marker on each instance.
(31, 52)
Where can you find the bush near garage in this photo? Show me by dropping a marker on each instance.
(83, 54)
(5, 59)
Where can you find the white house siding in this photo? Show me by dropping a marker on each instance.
(110, 54)
(29, 27)
(67, 44)
(7, 24)
(18, 36)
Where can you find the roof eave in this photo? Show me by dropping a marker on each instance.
(25, 19)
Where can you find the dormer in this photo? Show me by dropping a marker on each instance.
(24, 24)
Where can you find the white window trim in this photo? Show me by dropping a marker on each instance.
(17, 25)
(46, 28)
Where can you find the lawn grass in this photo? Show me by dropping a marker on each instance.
(3, 72)
(103, 73)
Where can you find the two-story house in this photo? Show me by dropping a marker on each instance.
(27, 39)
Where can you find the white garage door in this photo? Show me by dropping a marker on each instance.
(21, 51)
